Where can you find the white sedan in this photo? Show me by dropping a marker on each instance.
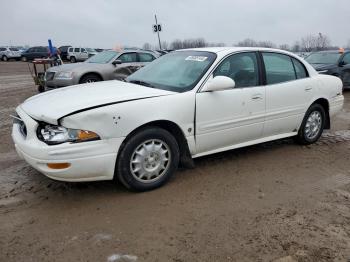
(184, 105)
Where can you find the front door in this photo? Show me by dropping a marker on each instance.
(128, 66)
(230, 117)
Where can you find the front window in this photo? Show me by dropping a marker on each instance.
(103, 57)
(177, 71)
(13, 49)
(242, 68)
(323, 58)
(128, 58)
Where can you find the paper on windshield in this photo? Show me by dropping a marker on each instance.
(196, 58)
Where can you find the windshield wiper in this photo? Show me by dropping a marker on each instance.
(143, 83)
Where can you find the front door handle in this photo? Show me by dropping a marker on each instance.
(308, 88)
(257, 97)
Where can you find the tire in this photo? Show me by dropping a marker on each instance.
(147, 160)
(312, 126)
(4, 58)
(41, 89)
(89, 78)
(23, 59)
(72, 59)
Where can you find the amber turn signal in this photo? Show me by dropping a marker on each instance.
(58, 165)
(87, 135)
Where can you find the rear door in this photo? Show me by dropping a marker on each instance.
(289, 91)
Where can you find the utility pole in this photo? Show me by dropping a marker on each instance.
(158, 28)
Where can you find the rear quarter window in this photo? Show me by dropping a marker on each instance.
(300, 69)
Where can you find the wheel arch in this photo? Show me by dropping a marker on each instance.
(325, 104)
(91, 73)
(174, 129)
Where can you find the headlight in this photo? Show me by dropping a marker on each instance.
(52, 135)
(322, 71)
(64, 75)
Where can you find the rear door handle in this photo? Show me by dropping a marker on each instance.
(257, 97)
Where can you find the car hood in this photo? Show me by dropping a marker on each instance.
(320, 67)
(50, 106)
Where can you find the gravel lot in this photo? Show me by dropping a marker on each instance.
(271, 202)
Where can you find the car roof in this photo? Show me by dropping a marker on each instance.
(222, 51)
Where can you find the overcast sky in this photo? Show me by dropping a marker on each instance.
(107, 23)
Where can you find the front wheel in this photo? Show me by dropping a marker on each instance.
(148, 159)
(4, 58)
(23, 59)
(89, 78)
(312, 126)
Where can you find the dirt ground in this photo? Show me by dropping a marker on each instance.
(272, 202)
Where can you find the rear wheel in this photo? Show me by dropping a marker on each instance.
(23, 59)
(148, 159)
(4, 58)
(312, 126)
(72, 59)
(90, 78)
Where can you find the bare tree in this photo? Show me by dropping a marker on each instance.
(165, 45)
(267, 44)
(323, 42)
(248, 42)
(318, 42)
(284, 47)
(147, 46)
(296, 47)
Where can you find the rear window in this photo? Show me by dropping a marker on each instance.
(77, 50)
(2, 49)
(145, 57)
(279, 68)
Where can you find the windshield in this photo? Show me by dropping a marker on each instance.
(90, 50)
(177, 71)
(103, 57)
(323, 58)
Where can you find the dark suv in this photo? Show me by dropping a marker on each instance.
(35, 52)
(336, 63)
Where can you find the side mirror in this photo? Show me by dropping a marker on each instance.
(342, 63)
(117, 62)
(219, 83)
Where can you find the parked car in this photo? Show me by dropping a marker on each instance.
(77, 54)
(35, 52)
(107, 65)
(64, 51)
(91, 52)
(336, 63)
(184, 105)
(7, 53)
